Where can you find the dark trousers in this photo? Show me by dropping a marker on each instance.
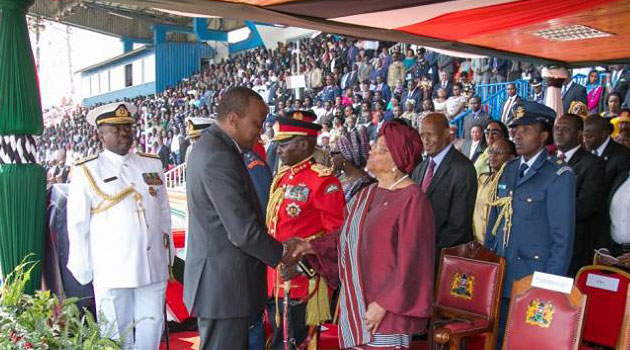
(298, 330)
(222, 334)
(257, 332)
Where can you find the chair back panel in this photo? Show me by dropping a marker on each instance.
(605, 305)
(467, 284)
(542, 319)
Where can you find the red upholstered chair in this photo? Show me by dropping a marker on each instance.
(541, 319)
(606, 315)
(467, 296)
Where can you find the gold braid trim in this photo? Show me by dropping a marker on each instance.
(107, 200)
(505, 205)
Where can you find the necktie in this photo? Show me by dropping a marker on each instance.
(428, 176)
(522, 170)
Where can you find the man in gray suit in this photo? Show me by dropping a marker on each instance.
(228, 245)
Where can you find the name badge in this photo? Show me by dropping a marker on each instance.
(152, 179)
(552, 282)
(602, 282)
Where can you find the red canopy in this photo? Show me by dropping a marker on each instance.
(568, 32)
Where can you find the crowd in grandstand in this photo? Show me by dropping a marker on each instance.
(348, 83)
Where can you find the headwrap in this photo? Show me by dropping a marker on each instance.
(616, 122)
(404, 145)
(578, 108)
(354, 146)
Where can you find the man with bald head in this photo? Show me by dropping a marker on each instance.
(449, 180)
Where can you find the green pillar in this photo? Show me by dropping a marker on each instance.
(22, 180)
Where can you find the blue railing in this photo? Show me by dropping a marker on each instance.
(492, 97)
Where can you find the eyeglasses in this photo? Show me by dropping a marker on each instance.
(497, 152)
(493, 131)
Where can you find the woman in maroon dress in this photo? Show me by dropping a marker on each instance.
(383, 256)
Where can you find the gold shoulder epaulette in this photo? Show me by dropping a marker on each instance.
(86, 159)
(148, 155)
(322, 171)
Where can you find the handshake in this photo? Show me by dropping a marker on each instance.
(294, 249)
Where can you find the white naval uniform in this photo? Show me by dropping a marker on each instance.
(122, 248)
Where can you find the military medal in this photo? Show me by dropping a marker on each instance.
(152, 179)
(152, 191)
(293, 210)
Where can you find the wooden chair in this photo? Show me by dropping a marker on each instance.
(541, 319)
(467, 296)
(606, 318)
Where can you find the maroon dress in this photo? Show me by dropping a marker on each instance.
(390, 235)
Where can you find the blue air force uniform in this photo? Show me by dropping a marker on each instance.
(543, 219)
(537, 199)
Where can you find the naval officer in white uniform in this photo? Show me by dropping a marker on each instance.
(119, 230)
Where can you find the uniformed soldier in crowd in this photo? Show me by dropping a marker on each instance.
(306, 201)
(119, 231)
(194, 127)
(532, 220)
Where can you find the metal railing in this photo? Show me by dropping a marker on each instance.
(176, 178)
(492, 98)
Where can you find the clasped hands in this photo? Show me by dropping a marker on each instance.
(295, 249)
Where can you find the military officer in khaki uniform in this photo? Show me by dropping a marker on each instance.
(119, 231)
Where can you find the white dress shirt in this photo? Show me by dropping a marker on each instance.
(568, 154)
(619, 214)
(602, 147)
(473, 148)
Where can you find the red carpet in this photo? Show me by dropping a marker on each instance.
(190, 341)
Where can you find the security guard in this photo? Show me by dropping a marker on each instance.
(306, 201)
(119, 231)
(532, 220)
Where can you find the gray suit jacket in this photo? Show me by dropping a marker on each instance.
(228, 245)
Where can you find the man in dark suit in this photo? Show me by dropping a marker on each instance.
(589, 187)
(162, 152)
(228, 245)
(476, 116)
(473, 148)
(412, 93)
(619, 83)
(499, 68)
(572, 91)
(597, 140)
(445, 83)
(449, 180)
(512, 100)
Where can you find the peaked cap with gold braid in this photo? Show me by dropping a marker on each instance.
(112, 113)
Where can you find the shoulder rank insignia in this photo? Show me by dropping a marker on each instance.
(148, 155)
(563, 170)
(540, 313)
(86, 159)
(462, 286)
(152, 179)
(321, 170)
(331, 189)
